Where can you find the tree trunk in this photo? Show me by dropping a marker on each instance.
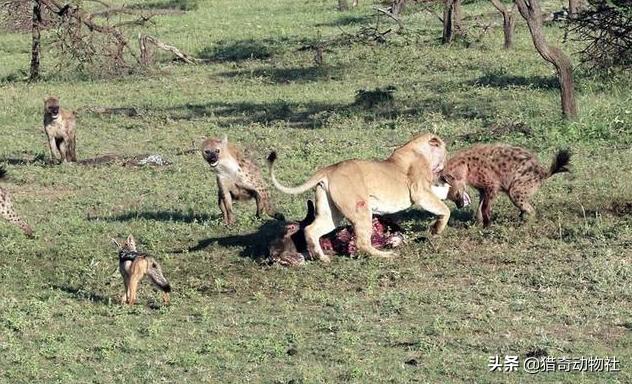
(573, 7)
(448, 27)
(508, 22)
(451, 20)
(397, 6)
(531, 11)
(35, 44)
(458, 16)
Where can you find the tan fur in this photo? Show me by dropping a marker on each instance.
(238, 178)
(357, 189)
(134, 271)
(8, 212)
(59, 125)
(491, 168)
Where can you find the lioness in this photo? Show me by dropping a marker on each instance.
(357, 189)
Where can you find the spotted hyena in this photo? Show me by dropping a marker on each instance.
(8, 213)
(496, 167)
(238, 178)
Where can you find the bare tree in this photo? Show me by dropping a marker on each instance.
(604, 28)
(532, 13)
(451, 20)
(508, 22)
(343, 5)
(92, 40)
(35, 43)
(573, 7)
(397, 6)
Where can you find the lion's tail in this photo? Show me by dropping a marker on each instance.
(306, 186)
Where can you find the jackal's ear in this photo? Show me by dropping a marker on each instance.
(131, 243)
(116, 243)
(224, 140)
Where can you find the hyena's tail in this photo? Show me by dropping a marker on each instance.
(268, 207)
(72, 150)
(560, 162)
(154, 271)
(273, 213)
(306, 186)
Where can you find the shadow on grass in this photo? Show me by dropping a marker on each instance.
(158, 216)
(287, 75)
(38, 159)
(296, 115)
(180, 5)
(613, 208)
(348, 20)
(255, 244)
(80, 294)
(311, 115)
(459, 218)
(241, 50)
(508, 81)
(16, 77)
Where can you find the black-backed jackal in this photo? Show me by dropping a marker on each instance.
(134, 265)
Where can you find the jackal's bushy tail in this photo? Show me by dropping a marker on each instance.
(155, 274)
(560, 162)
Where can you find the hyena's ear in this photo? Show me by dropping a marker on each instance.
(131, 243)
(447, 178)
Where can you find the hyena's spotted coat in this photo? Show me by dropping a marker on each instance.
(496, 167)
(6, 209)
(238, 178)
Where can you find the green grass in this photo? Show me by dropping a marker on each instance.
(560, 283)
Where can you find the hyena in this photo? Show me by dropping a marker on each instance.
(491, 168)
(7, 211)
(59, 125)
(238, 178)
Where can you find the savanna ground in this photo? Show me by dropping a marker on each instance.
(557, 286)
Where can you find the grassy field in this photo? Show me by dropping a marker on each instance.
(557, 286)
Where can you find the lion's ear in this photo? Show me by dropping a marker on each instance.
(435, 142)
